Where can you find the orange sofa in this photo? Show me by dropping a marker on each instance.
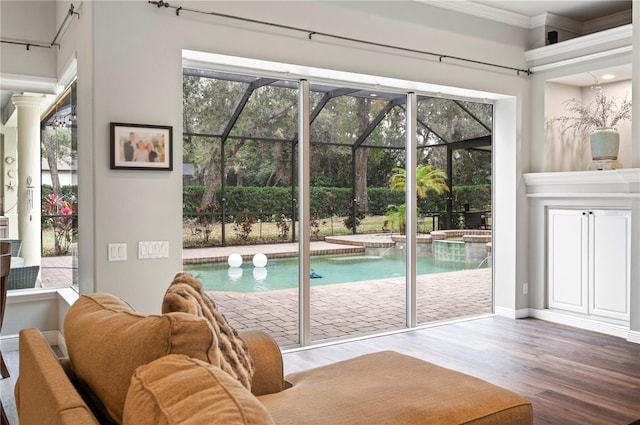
(129, 368)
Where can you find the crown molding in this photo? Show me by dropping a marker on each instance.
(483, 11)
(569, 48)
(25, 83)
(523, 21)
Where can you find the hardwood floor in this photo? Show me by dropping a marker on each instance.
(570, 375)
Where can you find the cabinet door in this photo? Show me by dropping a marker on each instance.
(567, 259)
(609, 263)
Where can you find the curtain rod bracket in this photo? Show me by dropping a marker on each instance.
(160, 4)
(73, 12)
(311, 34)
(178, 11)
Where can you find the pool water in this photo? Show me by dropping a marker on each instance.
(283, 273)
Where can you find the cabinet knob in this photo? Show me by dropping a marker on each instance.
(584, 213)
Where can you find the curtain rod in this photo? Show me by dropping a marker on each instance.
(311, 33)
(30, 44)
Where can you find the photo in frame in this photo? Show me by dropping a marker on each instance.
(141, 147)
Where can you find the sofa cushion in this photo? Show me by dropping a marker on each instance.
(392, 388)
(177, 389)
(107, 340)
(185, 294)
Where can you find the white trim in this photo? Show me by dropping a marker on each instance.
(287, 71)
(511, 313)
(581, 322)
(486, 12)
(62, 344)
(634, 336)
(12, 342)
(19, 296)
(25, 83)
(625, 175)
(600, 55)
(570, 47)
(583, 195)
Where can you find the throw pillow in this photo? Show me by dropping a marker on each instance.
(107, 341)
(185, 294)
(177, 389)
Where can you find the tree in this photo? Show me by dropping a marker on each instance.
(428, 179)
(56, 148)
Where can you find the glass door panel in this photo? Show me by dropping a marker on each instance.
(240, 140)
(357, 277)
(453, 264)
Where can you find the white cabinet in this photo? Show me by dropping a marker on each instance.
(589, 261)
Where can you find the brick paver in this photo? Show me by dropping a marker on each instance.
(357, 308)
(337, 311)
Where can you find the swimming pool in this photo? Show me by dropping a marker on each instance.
(283, 273)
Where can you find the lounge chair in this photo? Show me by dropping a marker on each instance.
(23, 277)
(16, 246)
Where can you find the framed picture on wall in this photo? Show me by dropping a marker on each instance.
(141, 147)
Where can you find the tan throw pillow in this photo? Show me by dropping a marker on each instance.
(185, 294)
(181, 390)
(107, 340)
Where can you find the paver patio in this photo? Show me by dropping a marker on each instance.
(338, 310)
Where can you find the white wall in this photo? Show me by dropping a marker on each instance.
(129, 70)
(569, 151)
(589, 57)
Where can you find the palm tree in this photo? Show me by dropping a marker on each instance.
(428, 178)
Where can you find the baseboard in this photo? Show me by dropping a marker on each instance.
(634, 336)
(511, 313)
(582, 323)
(11, 342)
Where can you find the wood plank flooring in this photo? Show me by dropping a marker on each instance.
(570, 375)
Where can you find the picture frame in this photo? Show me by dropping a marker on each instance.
(141, 147)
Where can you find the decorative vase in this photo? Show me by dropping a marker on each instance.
(605, 142)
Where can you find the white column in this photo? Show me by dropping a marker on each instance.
(29, 180)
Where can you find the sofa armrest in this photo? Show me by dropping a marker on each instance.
(268, 376)
(43, 392)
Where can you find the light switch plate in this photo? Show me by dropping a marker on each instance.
(153, 249)
(117, 252)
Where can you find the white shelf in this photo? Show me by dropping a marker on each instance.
(622, 183)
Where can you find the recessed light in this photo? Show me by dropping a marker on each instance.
(373, 95)
(608, 77)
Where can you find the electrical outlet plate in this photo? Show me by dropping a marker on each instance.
(525, 288)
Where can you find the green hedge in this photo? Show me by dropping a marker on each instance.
(277, 200)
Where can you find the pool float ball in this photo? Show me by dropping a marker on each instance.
(234, 273)
(259, 273)
(259, 260)
(234, 260)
